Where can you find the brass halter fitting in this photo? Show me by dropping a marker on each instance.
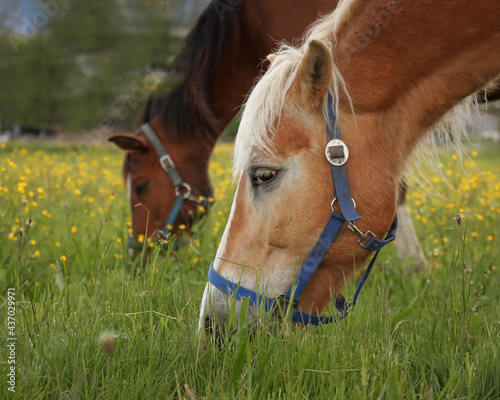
(363, 237)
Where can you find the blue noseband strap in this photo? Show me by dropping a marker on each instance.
(239, 292)
(332, 231)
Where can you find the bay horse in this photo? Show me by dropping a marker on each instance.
(376, 75)
(221, 59)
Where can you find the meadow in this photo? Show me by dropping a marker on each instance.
(89, 322)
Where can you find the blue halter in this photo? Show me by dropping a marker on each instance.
(337, 154)
(182, 189)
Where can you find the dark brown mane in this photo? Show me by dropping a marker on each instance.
(187, 108)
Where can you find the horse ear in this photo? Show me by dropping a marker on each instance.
(129, 142)
(271, 57)
(315, 73)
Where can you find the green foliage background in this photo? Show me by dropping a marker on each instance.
(71, 70)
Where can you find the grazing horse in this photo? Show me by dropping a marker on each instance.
(220, 61)
(376, 75)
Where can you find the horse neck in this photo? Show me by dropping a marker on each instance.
(233, 73)
(260, 25)
(404, 69)
(407, 63)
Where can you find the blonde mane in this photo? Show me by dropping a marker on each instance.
(264, 105)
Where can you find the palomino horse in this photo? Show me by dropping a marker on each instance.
(393, 69)
(222, 59)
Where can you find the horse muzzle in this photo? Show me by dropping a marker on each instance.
(221, 314)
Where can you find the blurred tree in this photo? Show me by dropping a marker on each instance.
(74, 64)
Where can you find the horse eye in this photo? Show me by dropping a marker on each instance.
(141, 187)
(263, 175)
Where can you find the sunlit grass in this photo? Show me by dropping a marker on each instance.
(63, 224)
(470, 189)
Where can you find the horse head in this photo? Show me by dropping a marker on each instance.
(167, 180)
(379, 96)
(285, 195)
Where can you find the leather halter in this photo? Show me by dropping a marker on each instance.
(182, 189)
(337, 155)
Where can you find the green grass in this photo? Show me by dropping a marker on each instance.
(434, 335)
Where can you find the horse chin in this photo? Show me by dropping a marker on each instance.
(222, 326)
(144, 254)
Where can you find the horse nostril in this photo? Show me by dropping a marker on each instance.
(208, 327)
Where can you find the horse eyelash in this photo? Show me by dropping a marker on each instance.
(264, 171)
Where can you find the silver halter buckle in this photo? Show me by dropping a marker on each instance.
(167, 163)
(336, 152)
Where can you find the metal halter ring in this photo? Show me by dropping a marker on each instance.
(184, 185)
(335, 199)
